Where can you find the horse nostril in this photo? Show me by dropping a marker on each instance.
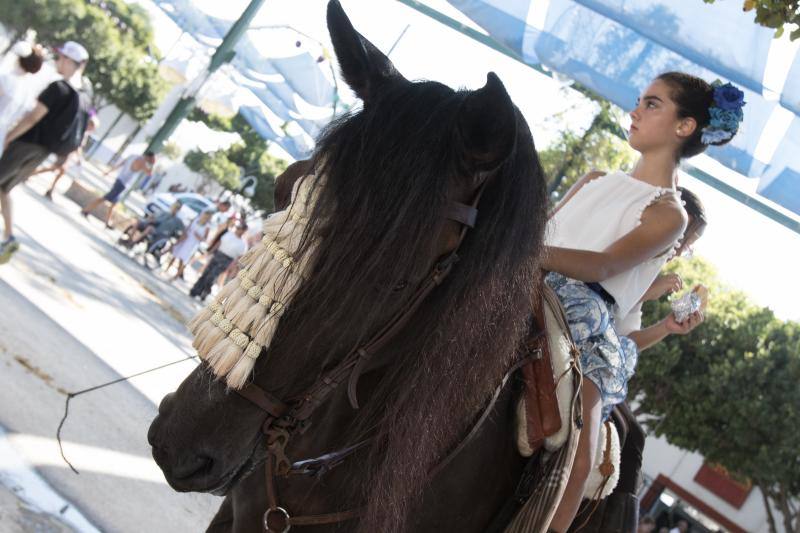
(191, 466)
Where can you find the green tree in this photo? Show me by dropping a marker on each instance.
(214, 166)
(775, 14)
(215, 122)
(729, 389)
(171, 150)
(117, 37)
(574, 154)
(251, 155)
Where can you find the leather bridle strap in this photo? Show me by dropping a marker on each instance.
(278, 520)
(265, 401)
(276, 513)
(462, 213)
(485, 415)
(466, 215)
(283, 419)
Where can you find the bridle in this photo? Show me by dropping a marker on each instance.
(286, 418)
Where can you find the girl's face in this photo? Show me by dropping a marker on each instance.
(694, 230)
(654, 121)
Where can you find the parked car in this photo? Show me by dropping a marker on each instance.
(193, 205)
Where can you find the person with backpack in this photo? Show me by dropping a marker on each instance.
(55, 125)
(131, 167)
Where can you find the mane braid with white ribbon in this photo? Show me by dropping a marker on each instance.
(234, 329)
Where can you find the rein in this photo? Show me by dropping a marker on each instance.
(284, 419)
(71, 395)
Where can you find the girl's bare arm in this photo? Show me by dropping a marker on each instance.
(661, 225)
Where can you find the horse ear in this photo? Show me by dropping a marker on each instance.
(487, 125)
(364, 67)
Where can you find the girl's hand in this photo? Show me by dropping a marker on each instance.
(664, 284)
(683, 328)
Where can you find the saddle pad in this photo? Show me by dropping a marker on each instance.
(608, 450)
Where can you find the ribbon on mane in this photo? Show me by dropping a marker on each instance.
(239, 324)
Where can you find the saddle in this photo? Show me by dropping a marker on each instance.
(543, 405)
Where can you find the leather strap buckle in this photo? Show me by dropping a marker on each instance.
(283, 515)
(277, 439)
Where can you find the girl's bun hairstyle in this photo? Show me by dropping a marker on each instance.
(716, 108)
(31, 58)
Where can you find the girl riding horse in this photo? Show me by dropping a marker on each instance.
(611, 235)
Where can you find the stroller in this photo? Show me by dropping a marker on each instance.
(156, 243)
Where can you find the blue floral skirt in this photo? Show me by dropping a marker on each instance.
(607, 359)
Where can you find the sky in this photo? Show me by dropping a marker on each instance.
(751, 252)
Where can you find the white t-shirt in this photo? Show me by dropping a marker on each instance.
(219, 218)
(127, 174)
(231, 245)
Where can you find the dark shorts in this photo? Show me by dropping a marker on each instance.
(115, 192)
(19, 161)
(142, 224)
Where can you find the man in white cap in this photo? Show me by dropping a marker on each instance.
(55, 125)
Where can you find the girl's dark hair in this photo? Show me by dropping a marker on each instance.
(32, 62)
(694, 207)
(697, 215)
(693, 96)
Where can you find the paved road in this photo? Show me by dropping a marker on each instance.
(78, 312)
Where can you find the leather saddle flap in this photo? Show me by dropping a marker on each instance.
(541, 402)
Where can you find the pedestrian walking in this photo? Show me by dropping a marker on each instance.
(186, 247)
(63, 161)
(131, 167)
(56, 124)
(231, 246)
(15, 98)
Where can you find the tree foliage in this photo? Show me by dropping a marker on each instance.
(214, 166)
(729, 390)
(117, 36)
(250, 155)
(775, 14)
(574, 154)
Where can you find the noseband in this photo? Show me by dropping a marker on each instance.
(284, 419)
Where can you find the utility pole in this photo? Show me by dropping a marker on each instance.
(223, 54)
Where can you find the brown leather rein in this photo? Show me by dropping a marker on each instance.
(286, 418)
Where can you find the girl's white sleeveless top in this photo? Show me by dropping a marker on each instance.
(601, 212)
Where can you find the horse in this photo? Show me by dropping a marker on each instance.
(423, 186)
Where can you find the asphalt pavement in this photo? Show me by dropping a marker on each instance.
(76, 312)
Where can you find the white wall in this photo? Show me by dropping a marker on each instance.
(680, 466)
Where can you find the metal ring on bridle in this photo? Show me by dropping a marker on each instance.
(286, 517)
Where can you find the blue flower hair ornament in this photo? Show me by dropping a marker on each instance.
(726, 113)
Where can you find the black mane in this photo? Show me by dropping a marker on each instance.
(387, 171)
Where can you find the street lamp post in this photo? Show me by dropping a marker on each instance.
(223, 54)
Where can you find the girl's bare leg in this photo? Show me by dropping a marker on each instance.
(181, 267)
(584, 459)
(108, 214)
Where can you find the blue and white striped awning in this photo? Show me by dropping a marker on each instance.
(616, 47)
(291, 97)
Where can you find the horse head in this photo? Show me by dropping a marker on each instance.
(383, 177)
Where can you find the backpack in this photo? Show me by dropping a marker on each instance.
(72, 137)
